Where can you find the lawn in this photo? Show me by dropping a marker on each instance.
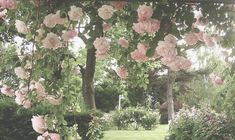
(157, 134)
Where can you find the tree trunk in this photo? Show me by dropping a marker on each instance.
(87, 80)
(170, 98)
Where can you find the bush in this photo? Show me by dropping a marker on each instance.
(201, 124)
(136, 118)
(15, 123)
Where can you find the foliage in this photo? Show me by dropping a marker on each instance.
(15, 122)
(197, 124)
(136, 118)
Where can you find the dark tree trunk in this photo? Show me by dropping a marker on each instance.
(87, 79)
(170, 98)
(88, 71)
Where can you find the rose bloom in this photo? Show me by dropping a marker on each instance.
(8, 91)
(152, 25)
(180, 63)
(58, 19)
(52, 19)
(170, 38)
(39, 124)
(21, 73)
(107, 26)
(191, 38)
(122, 72)
(144, 12)
(21, 95)
(52, 41)
(200, 36)
(139, 55)
(123, 42)
(21, 27)
(54, 136)
(27, 104)
(216, 80)
(149, 26)
(119, 4)
(101, 55)
(70, 34)
(53, 100)
(49, 21)
(101, 44)
(106, 12)
(75, 13)
(139, 27)
(166, 49)
(10, 4)
(208, 40)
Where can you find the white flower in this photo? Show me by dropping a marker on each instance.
(75, 13)
(52, 41)
(21, 27)
(106, 12)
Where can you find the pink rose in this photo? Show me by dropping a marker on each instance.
(75, 13)
(208, 40)
(144, 12)
(70, 34)
(10, 4)
(200, 36)
(21, 73)
(119, 4)
(179, 63)
(166, 49)
(123, 42)
(21, 27)
(21, 95)
(52, 41)
(139, 27)
(170, 38)
(54, 136)
(39, 124)
(54, 100)
(102, 47)
(8, 91)
(122, 72)
(27, 104)
(191, 38)
(106, 12)
(216, 80)
(152, 25)
(139, 55)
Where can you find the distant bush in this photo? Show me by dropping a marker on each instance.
(136, 118)
(201, 124)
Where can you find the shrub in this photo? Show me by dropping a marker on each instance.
(15, 123)
(136, 118)
(201, 124)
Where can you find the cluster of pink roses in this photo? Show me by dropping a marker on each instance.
(193, 38)
(102, 46)
(167, 49)
(145, 22)
(216, 80)
(122, 72)
(139, 55)
(8, 4)
(39, 124)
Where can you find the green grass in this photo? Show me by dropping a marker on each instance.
(157, 134)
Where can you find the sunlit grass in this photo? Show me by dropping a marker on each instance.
(157, 134)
